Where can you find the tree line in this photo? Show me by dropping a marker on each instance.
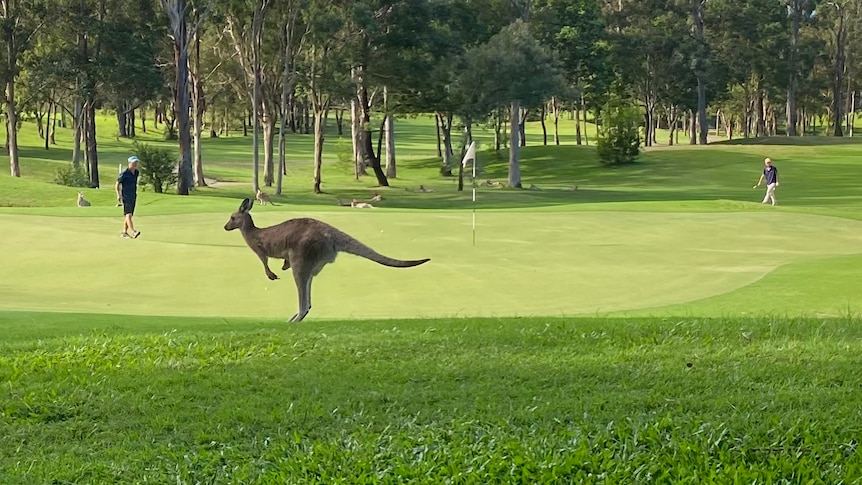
(198, 68)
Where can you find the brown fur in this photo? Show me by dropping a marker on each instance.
(306, 245)
(263, 198)
(82, 202)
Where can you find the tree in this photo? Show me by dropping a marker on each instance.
(511, 69)
(292, 40)
(20, 20)
(324, 64)
(575, 31)
(178, 13)
(619, 140)
(799, 11)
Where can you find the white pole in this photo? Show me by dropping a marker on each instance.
(474, 199)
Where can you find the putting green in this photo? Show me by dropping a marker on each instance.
(523, 264)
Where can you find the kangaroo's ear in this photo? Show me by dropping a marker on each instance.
(244, 206)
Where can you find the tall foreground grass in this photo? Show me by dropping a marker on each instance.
(761, 400)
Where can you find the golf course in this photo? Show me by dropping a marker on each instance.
(646, 323)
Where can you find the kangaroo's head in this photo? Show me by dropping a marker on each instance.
(80, 195)
(241, 218)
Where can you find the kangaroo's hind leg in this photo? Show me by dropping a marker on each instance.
(302, 276)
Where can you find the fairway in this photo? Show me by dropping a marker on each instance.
(524, 264)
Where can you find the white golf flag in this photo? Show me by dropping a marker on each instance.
(471, 154)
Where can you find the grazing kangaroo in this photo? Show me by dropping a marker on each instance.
(263, 198)
(306, 245)
(82, 202)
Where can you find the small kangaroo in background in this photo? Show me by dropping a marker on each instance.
(82, 202)
(361, 205)
(263, 198)
(306, 245)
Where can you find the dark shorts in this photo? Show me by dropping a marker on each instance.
(129, 206)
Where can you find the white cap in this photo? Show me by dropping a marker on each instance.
(133, 159)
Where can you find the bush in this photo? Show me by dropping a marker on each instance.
(72, 176)
(157, 167)
(619, 138)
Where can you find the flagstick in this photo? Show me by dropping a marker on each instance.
(474, 201)
(471, 154)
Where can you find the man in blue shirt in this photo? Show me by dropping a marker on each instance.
(127, 194)
(770, 174)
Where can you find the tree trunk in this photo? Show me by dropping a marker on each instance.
(356, 139)
(795, 23)
(255, 102)
(122, 120)
(177, 11)
(367, 145)
(389, 131)
(11, 109)
(131, 118)
(269, 123)
(522, 138)
(555, 103)
(692, 128)
(319, 128)
(838, 74)
(48, 125)
(584, 112)
(760, 109)
(542, 114)
(446, 130)
(514, 145)
(439, 139)
(77, 132)
(671, 124)
(578, 123)
(700, 73)
(339, 121)
(53, 127)
(92, 149)
(288, 88)
(198, 109)
(144, 119)
(649, 124)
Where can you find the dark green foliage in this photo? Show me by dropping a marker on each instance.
(72, 176)
(157, 166)
(619, 138)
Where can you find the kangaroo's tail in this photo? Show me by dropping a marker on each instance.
(348, 244)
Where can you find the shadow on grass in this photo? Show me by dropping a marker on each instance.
(806, 141)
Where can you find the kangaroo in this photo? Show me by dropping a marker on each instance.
(263, 198)
(82, 202)
(377, 197)
(361, 205)
(306, 245)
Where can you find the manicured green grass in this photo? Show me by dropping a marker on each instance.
(144, 400)
(656, 325)
(554, 263)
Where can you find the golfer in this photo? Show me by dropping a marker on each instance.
(770, 174)
(126, 187)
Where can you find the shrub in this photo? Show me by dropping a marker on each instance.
(157, 166)
(619, 138)
(72, 176)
